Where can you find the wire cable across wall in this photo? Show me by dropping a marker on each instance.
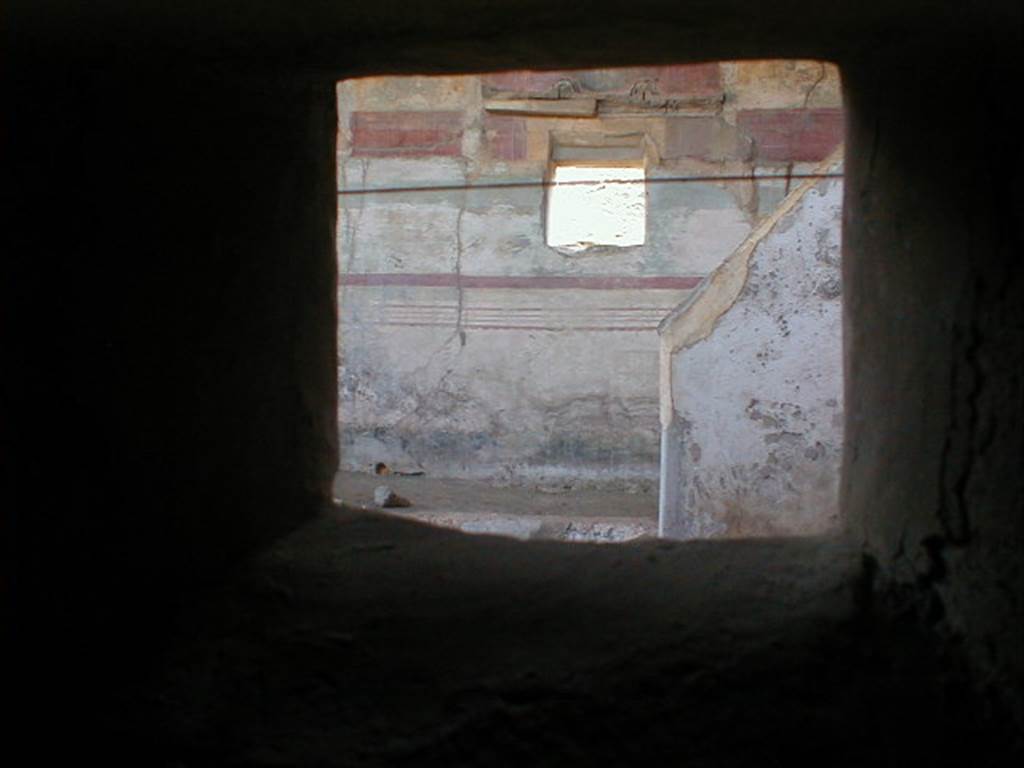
(731, 178)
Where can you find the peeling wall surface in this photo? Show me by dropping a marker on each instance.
(754, 444)
(468, 346)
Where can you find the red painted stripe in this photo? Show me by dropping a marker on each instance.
(402, 133)
(538, 282)
(792, 134)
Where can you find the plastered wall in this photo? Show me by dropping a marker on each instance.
(752, 380)
(471, 348)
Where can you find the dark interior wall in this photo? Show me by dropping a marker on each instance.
(167, 317)
(935, 342)
(186, 228)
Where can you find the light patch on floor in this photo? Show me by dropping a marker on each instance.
(565, 514)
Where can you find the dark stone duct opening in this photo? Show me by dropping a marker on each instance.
(169, 403)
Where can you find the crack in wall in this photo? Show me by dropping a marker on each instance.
(424, 400)
(460, 291)
(967, 380)
(697, 316)
(353, 219)
(815, 84)
(918, 593)
(351, 223)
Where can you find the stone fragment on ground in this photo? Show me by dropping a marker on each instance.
(384, 497)
(380, 468)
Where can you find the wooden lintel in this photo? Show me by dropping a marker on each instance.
(576, 107)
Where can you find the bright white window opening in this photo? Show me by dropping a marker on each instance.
(594, 205)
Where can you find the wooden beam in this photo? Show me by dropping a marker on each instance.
(576, 107)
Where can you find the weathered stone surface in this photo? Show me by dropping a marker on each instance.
(416, 93)
(783, 84)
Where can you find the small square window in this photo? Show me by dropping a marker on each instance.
(596, 206)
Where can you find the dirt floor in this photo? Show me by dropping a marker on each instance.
(473, 506)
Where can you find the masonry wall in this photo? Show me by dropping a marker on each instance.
(469, 347)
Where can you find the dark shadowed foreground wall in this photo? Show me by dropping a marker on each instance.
(169, 359)
(168, 322)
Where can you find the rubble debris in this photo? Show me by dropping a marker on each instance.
(380, 468)
(385, 497)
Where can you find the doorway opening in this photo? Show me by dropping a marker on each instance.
(520, 257)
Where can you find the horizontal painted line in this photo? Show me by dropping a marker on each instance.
(494, 317)
(495, 314)
(395, 306)
(546, 321)
(538, 282)
(476, 327)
